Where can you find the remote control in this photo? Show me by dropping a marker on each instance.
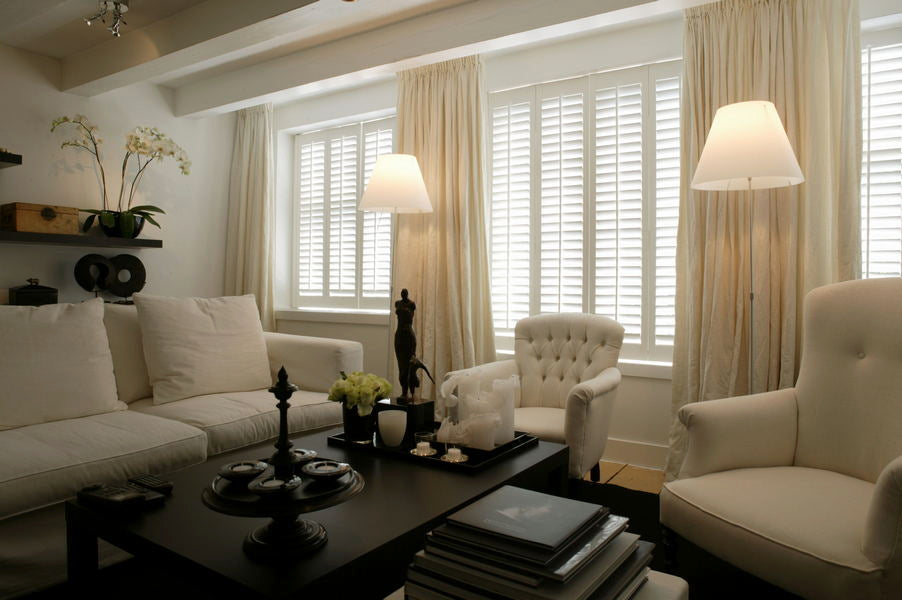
(153, 483)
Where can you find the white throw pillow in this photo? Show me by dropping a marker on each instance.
(55, 364)
(124, 333)
(197, 346)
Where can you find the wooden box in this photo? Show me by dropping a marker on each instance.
(39, 218)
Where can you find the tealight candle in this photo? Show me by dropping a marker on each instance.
(242, 468)
(272, 483)
(423, 448)
(454, 453)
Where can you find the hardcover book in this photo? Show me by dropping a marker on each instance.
(528, 517)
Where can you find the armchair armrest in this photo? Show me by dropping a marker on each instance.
(313, 363)
(745, 431)
(486, 373)
(882, 541)
(588, 418)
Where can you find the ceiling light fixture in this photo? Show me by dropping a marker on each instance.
(115, 8)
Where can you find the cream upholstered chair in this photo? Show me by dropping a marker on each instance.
(803, 486)
(567, 365)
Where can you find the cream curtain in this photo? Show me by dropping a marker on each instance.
(249, 241)
(805, 56)
(441, 257)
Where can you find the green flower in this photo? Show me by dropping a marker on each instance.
(360, 390)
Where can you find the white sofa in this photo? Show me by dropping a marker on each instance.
(47, 463)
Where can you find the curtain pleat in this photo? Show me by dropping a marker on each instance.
(441, 257)
(805, 57)
(249, 239)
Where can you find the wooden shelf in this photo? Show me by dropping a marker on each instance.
(57, 239)
(8, 159)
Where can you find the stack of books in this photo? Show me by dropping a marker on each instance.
(525, 545)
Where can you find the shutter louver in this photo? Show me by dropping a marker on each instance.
(618, 207)
(510, 214)
(342, 216)
(561, 205)
(667, 205)
(311, 206)
(376, 253)
(881, 176)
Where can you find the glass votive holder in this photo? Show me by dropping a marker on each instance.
(423, 441)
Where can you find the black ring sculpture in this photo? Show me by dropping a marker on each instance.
(95, 273)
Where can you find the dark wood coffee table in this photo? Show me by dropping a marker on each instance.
(372, 537)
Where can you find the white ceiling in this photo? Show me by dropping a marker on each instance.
(56, 27)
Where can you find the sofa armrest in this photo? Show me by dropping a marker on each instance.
(745, 431)
(486, 373)
(882, 542)
(313, 363)
(588, 418)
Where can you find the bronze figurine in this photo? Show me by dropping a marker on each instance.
(405, 341)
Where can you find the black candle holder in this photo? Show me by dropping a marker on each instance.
(282, 492)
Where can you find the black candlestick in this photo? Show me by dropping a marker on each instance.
(284, 459)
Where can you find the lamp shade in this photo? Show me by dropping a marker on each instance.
(747, 148)
(396, 186)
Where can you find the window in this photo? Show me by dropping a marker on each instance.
(584, 202)
(343, 255)
(881, 168)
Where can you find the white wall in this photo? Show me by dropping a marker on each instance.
(191, 261)
(642, 415)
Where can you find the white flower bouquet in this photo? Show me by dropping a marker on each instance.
(360, 390)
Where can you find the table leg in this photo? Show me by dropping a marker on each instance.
(81, 551)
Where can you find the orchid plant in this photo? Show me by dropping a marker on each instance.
(360, 390)
(145, 144)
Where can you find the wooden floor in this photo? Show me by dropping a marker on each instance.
(632, 477)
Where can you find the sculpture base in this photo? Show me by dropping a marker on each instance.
(285, 538)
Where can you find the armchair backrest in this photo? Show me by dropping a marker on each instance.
(557, 351)
(850, 381)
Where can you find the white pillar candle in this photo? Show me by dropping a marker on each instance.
(423, 448)
(454, 453)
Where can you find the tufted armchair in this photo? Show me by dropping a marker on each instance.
(567, 365)
(803, 486)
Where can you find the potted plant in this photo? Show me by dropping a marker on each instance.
(146, 144)
(358, 393)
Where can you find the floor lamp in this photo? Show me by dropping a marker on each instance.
(747, 149)
(396, 186)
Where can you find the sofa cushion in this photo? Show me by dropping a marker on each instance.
(55, 363)
(49, 462)
(544, 423)
(796, 527)
(124, 334)
(197, 346)
(235, 420)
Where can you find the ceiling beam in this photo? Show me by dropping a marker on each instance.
(456, 31)
(198, 33)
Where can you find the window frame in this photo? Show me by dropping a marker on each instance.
(646, 75)
(326, 301)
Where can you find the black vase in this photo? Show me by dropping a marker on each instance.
(358, 429)
(116, 229)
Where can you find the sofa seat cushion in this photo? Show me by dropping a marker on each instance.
(796, 527)
(235, 420)
(544, 423)
(49, 462)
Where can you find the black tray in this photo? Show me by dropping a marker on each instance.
(476, 459)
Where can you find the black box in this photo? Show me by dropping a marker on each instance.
(33, 294)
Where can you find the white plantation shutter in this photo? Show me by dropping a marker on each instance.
(311, 206)
(585, 191)
(667, 203)
(376, 239)
(510, 214)
(618, 206)
(343, 255)
(561, 202)
(881, 173)
(342, 215)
